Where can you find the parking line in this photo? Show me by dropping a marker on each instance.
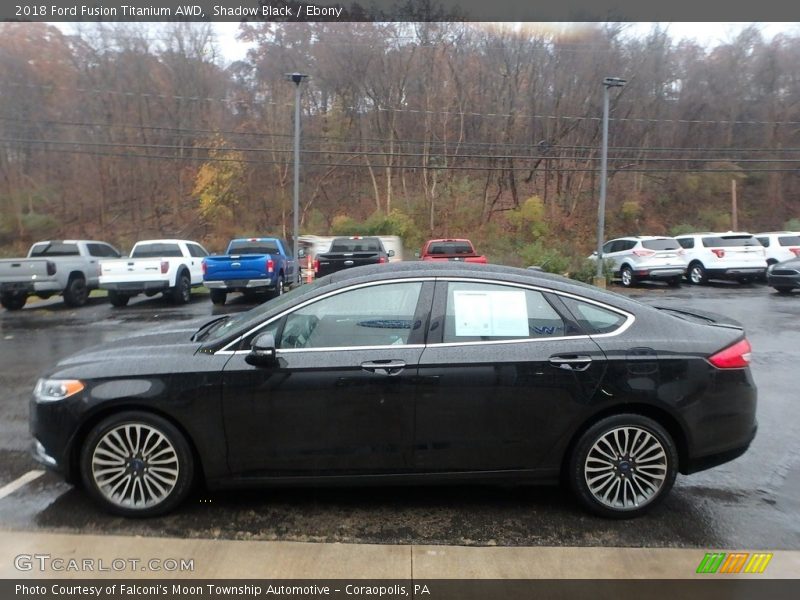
(12, 487)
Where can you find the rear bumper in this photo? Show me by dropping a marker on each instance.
(659, 272)
(710, 461)
(29, 287)
(233, 285)
(135, 287)
(736, 272)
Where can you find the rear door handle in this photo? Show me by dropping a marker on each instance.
(571, 362)
(384, 367)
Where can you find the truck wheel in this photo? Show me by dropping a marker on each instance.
(76, 294)
(218, 296)
(117, 299)
(182, 292)
(13, 300)
(279, 287)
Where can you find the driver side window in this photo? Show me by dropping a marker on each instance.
(378, 315)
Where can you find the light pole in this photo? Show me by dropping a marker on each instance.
(608, 82)
(297, 79)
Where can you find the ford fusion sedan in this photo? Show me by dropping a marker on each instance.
(406, 373)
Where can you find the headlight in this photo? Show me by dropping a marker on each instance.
(52, 390)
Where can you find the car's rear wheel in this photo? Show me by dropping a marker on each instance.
(218, 296)
(76, 293)
(697, 274)
(623, 466)
(117, 299)
(182, 292)
(137, 464)
(279, 287)
(627, 277)
(13, 300)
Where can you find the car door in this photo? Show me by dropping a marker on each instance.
(197, 254)
(500, 361)
(611, 252)
(340, 401)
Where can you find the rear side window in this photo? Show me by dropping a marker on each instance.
(196, 250)
(592, 318)
(253, 248)
(789, 240)
(665, 244)
(55, 249)
(488, 312)
(686, 242)
(102, 250)
(730, 241)
(451, 248)
(156, 251)
(764, 241)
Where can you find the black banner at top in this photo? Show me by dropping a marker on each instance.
(398, 10)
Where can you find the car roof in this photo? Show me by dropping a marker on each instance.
(643, 238)
(166, 241)
(778, 233)
(717, 233)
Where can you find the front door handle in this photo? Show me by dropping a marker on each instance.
(571, 362)
(384, 367)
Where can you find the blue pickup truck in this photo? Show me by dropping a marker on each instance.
(251, 266)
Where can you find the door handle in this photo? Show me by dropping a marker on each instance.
(384, 367)
(571, 362)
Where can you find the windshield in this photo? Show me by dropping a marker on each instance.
(450, 248)
(55, 249)
(789, 240)
(253, 248)
(156, 251)
(663, 244)
(239, 320)
(730, 241)
(356, 245)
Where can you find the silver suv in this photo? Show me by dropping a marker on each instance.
(637, 258)
(730, 255)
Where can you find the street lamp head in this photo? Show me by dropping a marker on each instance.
(296, 78)
(614, 82)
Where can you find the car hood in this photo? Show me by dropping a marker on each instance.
(150, 352)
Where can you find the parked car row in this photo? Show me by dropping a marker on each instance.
(701, 257)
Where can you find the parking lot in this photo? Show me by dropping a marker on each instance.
(753, 502)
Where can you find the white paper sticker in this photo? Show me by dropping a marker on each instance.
(490, 313)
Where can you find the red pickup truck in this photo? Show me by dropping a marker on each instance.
(460, 250)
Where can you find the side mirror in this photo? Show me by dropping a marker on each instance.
(390, 253)
(301, 253)
(594, 253)
(262, 351)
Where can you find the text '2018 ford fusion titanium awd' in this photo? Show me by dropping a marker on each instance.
(406, 373)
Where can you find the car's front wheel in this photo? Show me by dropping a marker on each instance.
(623, 465)
(627, 277)
(137, 464)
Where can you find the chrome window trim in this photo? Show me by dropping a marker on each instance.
(629, 318)
(357, 286)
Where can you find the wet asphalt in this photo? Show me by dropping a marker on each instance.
(752, 502)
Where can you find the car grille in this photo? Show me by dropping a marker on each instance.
(785, 272)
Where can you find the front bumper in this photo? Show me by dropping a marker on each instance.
(783, 280)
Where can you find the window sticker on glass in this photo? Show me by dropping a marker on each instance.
(490, 313)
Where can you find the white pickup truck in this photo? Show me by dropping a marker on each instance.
(68, 267)
(171, 267)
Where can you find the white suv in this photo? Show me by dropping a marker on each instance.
(780, 245)
(642, 257)
(731, 255)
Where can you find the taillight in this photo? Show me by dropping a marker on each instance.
(270, 265)
(732, 357)
(164, 266)
(51, 267)
(381, 260)
(316, 265)
(795, 251)
(643, 252)
(205, 267)
(719, 252)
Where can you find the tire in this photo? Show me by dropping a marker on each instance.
(627, 277)
(696, 275)
(642, 486)
(781, 289)
(182, 292)
(13, 300)
(279, 288)
(674, 281)
(218, 296)
(76, 293)
(125, 481)
(117, 299)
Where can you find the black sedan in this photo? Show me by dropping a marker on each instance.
(784, 276)
(406, 373)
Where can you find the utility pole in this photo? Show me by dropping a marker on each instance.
(297, 79)
(734, 208)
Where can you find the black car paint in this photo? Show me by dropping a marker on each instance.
(321, 418)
